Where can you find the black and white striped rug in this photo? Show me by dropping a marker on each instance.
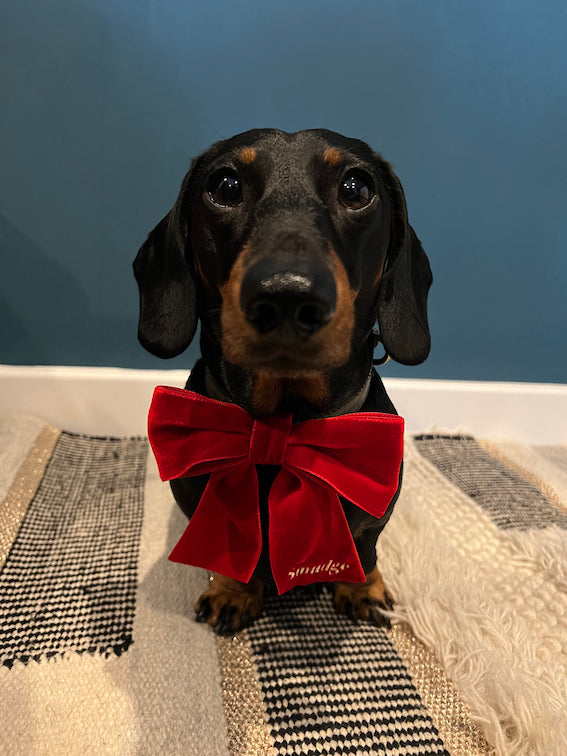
(100, 653)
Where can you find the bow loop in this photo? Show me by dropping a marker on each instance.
(356, 456)
(193, 437)
(359, 455)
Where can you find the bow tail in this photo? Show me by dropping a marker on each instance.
(310, 540)
(224, 534)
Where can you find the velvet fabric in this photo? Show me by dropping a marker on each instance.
(356, 456)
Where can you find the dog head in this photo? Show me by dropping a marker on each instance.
(288, 247)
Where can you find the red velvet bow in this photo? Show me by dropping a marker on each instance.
(357, 456)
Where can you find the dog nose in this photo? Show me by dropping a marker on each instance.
(303, 295)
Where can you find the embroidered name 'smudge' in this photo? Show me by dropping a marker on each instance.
(331, 568)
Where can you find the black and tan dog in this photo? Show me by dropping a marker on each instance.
(288, 248)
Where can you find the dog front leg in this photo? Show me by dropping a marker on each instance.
(229, 606)
(364, 601)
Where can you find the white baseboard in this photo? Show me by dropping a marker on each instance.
(114, 401)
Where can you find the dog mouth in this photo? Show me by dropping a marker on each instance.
(288, 358)
(283, 349)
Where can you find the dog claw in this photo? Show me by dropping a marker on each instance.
(375, 609)
(350, 612)
(223, 625)
(218, 627)
(378, 619)
(204, 611)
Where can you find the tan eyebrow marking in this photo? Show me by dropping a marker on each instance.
(332, 156)
(247, 155)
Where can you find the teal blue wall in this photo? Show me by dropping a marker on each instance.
(104, 102)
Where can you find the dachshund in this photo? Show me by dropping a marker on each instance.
(288, 248)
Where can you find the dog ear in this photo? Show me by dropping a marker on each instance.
(168, 296)
(402, 296)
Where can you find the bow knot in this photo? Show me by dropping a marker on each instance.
(269, 440)
(355, 456)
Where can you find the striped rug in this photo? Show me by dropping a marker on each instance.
(100, 653)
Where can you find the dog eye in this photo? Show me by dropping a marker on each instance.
(225, 189)
(355, 191)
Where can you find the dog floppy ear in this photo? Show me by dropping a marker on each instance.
(402, 296)
(168, 297)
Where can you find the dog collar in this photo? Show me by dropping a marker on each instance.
(353, 404)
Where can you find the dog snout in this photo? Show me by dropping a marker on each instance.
(299, 298)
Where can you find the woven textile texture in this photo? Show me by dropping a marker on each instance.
(69, 582)
(100, 652)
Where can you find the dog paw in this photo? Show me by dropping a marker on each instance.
(229, 606)
(365, 601)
